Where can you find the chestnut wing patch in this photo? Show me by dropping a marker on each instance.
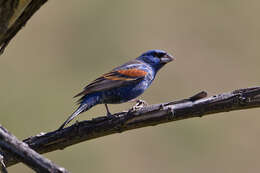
(133, 72)
(125, 75)
(114, 79)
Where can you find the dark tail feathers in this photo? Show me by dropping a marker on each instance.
(87, 103)
(81, 109)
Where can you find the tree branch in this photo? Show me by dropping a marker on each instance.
(22, 152)
(13, 16)
(3, 167)
(195, 106)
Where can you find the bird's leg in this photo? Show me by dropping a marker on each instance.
(139, 104)
(139, 101)
(108, 112)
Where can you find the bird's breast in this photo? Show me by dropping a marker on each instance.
(124, 93)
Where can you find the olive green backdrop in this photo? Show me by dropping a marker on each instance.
(69, 43)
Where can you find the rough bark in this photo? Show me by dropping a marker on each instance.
(22, 152)
(195, 106)
(13, 16)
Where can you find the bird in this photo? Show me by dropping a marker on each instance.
(122, 84)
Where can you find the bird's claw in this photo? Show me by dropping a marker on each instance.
(110, 116)
(139, 104)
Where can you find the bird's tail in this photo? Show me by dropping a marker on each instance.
(88, 102)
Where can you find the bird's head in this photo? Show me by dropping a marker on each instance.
(156, 58)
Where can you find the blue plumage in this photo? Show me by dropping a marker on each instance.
(123, 83)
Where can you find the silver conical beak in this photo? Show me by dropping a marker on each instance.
(167, 58)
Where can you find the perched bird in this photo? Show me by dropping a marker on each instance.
(123, 83)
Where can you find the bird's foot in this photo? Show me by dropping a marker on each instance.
(110, 116)
(139, 104)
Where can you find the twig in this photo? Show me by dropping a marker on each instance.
(21, 151)
(13, 16)
(195, 106)
(3, 167)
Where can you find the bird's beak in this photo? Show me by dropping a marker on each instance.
(167, 58)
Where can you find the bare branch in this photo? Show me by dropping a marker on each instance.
(2, 164)
(22, 152)
(195, 106)
(13, 16)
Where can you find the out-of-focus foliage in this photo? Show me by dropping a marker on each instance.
(67, 44)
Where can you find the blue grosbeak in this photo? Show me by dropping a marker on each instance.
(123, 83)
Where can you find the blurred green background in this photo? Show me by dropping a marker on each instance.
(67, 44)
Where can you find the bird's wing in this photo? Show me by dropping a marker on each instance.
(116, 78)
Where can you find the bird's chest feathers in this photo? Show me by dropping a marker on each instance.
(124, 93)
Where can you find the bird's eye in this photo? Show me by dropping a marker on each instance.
(156, 54)
(160, 55)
